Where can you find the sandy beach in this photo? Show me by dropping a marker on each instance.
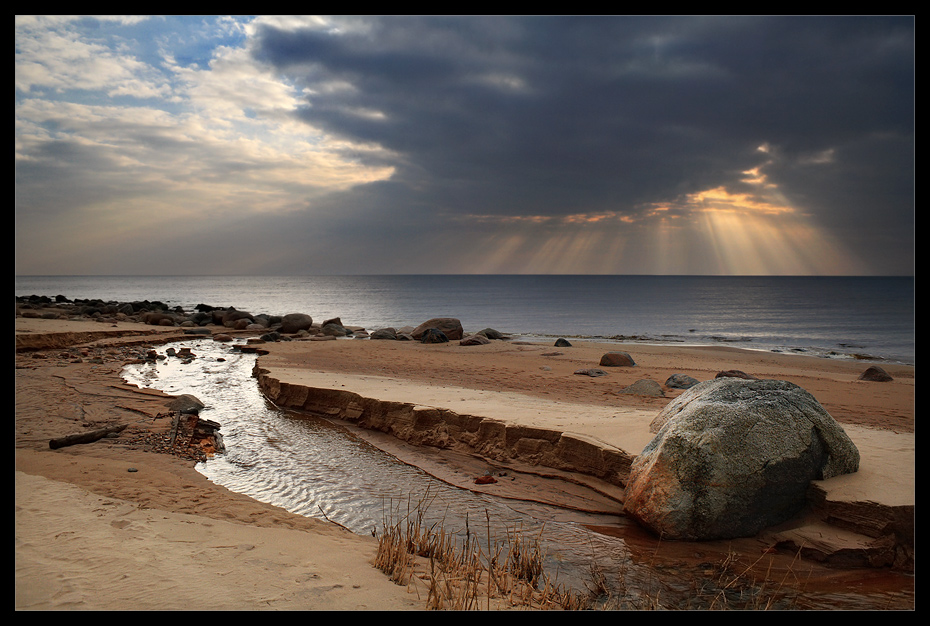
(110, 525)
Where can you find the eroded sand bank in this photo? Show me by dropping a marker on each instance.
(86, 523)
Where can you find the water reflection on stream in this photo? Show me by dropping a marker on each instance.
(316, 468)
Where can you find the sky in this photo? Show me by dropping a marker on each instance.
(218, 145)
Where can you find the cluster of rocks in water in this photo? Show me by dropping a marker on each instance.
(278, 327)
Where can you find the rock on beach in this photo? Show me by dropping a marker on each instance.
(617, 359)
(733, 456)
(448, 326)
(294, 322)
(644, 387)
(875, 374)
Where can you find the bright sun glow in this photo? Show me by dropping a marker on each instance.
(713, 231)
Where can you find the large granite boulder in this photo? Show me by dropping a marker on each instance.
(733, 456)
(295, 322)
(449, 326)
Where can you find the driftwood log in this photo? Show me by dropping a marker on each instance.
(88, 437)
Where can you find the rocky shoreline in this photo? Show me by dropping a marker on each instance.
(884, 542)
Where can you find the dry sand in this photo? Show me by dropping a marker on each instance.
(92, 534)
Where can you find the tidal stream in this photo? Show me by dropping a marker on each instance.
(313, 467)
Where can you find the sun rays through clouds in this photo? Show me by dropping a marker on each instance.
(751, 231)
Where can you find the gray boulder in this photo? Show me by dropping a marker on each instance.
(644, 387)
(733, 456)
(475, 340)
(593, 372)
(735, 374)
(490, 333)
(433, 335)
(384, 333)
(335, 330)
(681, 381)
(294, 322)
(186, 403)
(231, 316)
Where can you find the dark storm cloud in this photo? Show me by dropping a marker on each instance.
(466, 144)
(560, 115)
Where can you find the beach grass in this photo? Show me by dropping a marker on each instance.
(480, 572)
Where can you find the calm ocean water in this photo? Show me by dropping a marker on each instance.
(829, 316)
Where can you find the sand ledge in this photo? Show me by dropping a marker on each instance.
(866, 528)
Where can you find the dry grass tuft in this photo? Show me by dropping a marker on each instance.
(471, 574)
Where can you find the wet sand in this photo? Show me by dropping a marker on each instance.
(90, 533)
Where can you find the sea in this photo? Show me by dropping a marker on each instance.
(845, 317)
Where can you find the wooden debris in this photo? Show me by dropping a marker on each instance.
(88, 437)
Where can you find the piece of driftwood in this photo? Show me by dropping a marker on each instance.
(175, 422)
(88, 437)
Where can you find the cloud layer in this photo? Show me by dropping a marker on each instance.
(460, 145)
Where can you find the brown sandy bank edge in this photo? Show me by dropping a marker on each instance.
(520, 406)
(91, 534)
